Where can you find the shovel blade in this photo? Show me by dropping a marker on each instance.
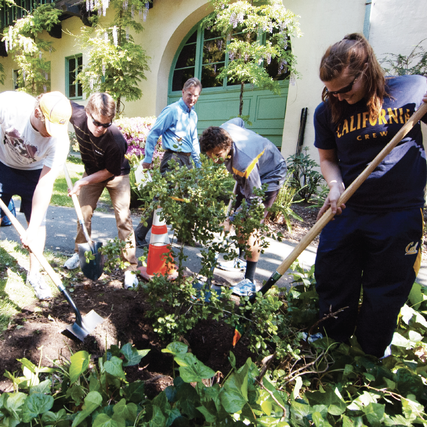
(89, 323)
(93, 269)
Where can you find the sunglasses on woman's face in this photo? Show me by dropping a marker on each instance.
(99, 124)
(344, 89)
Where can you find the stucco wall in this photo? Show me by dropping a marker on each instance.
(395, 27)
(322, 24)
(166, 26)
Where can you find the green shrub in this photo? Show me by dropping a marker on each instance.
(282, 207)
(305, 177)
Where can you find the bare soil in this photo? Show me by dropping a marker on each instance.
(39, 332)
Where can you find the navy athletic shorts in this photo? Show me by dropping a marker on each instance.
(21, 183)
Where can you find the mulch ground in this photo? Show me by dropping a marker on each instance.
(40, 333)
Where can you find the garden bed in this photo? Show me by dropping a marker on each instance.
(36, 333)
(39, 334)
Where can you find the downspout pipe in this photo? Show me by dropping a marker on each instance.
(367, 22)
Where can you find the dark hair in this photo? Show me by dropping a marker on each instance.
(352, 53)
(101, 104)
(213, 137)
(193, 81)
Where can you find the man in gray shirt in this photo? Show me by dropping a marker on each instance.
(253, 161)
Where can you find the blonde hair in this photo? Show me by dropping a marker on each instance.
(354, 53)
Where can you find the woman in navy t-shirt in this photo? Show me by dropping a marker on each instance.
(373, 245)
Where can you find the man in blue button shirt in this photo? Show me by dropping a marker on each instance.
(177, 125)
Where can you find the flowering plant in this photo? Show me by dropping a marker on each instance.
(135, 130)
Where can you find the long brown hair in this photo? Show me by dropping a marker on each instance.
(353, 52)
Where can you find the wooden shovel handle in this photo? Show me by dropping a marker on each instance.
(40, 258)
(328, 215)
(78, 209)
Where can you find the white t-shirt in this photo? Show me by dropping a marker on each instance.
(21, 146)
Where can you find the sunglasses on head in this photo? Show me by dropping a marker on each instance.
(99, 124)
(344, 89)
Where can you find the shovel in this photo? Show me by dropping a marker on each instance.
(95, 267)
(328, 215)
(83, 326)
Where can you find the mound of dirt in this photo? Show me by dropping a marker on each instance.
(39, 333)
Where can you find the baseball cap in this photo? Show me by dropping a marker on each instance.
(56, 109)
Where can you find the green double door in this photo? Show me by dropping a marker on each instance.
(266, 111)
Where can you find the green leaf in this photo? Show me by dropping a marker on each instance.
(133, 356)
(77, 393)
(158, 419)
(28, 364)
(265, 402)
(193, 370)
(13, 401)
(297, 388)
(50, 418)
(134, 392)
(114, 367)
(92, 401)
(374, 413)
(239, 380)
(417, 296)
(35, 405)
(232, 400)
(123, 411)
(409, 383)
(176, 348)
(103, 420)
(79, 363)
(232, 360)
(411, 408)
(271, 422)
(43, 387)
(189, 399)
(210, 417)
(331, 398)
(319, 420)
(362, 401)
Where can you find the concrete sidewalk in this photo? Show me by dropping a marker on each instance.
(61, 231)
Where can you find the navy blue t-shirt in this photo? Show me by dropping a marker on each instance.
(399, 181)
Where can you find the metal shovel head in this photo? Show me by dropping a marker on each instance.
(89, 323)
(93, 269)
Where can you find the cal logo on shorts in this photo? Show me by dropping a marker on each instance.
(411, 249)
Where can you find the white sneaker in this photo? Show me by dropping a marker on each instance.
(41, 289)
(72, 262)
(131, 281)
(234, 264)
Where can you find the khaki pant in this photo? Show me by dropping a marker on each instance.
(119, 190)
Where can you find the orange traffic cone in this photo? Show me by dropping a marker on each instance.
(159, 251)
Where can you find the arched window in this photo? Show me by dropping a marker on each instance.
(203, 56)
